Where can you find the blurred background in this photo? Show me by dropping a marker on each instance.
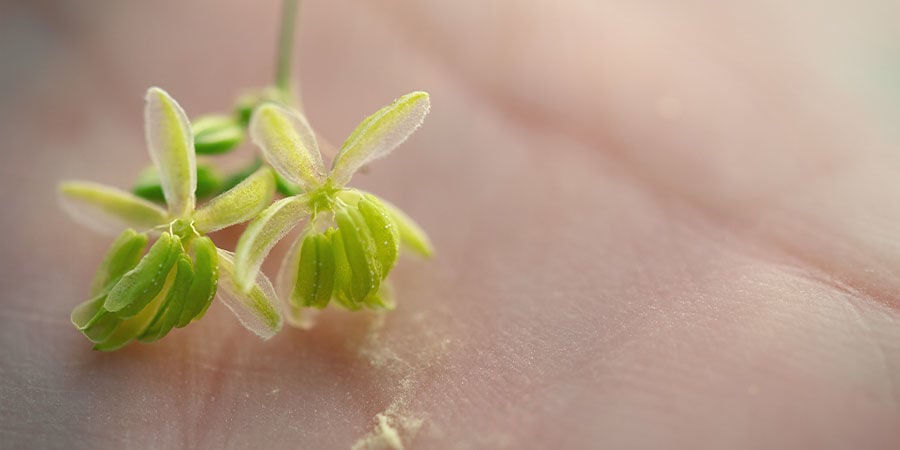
(658, 224)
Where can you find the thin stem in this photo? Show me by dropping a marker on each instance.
(285, 46)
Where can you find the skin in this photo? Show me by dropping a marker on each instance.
(657, 226)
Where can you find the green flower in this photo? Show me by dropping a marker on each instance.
(352, 238)
(138, 296)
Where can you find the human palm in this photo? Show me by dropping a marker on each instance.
(655, 227)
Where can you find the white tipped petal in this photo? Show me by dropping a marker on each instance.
(288, 144)
(263, 233)
(379, 134)
(239, 204)
(171, 146)
(257, 309)
(109, 210)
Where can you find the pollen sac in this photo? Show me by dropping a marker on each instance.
(383, 231)
(315, 272)
(148, 185)
(141, 285)
(361, 254)
(170, 308)
(350, 261)
(204, 285)
(136, 297)
(216, 134)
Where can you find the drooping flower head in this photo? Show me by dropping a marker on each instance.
(142, 296)
(351, 239)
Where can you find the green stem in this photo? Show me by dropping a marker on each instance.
(285, 46)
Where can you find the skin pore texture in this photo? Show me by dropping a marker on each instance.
(657, 225)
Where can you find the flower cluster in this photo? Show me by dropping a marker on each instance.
(348, 246)
(351, 239)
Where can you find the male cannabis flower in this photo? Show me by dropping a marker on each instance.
(142, 298)
(352, 239)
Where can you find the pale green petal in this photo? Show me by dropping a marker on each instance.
(257, 309)
(288, 144)
(107, 209)
(379, 134)
(412, 236)
(237, 205)
(171, 147)
(263, 233)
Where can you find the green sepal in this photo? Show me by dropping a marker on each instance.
(315, 273)
(203, 287)
(216, 134)
(170, 309)
(147, 185)
(359, 247)
(384, 232)
(122, 256)
(141, 285)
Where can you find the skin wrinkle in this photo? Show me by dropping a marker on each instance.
(661, 353)
(530, 115)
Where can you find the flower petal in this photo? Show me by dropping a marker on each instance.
(412, 236)
(171, 147)
(107, 209)
(379, 134)
(258, 308)
(239, 204)
(288, 144)
(263, 233)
